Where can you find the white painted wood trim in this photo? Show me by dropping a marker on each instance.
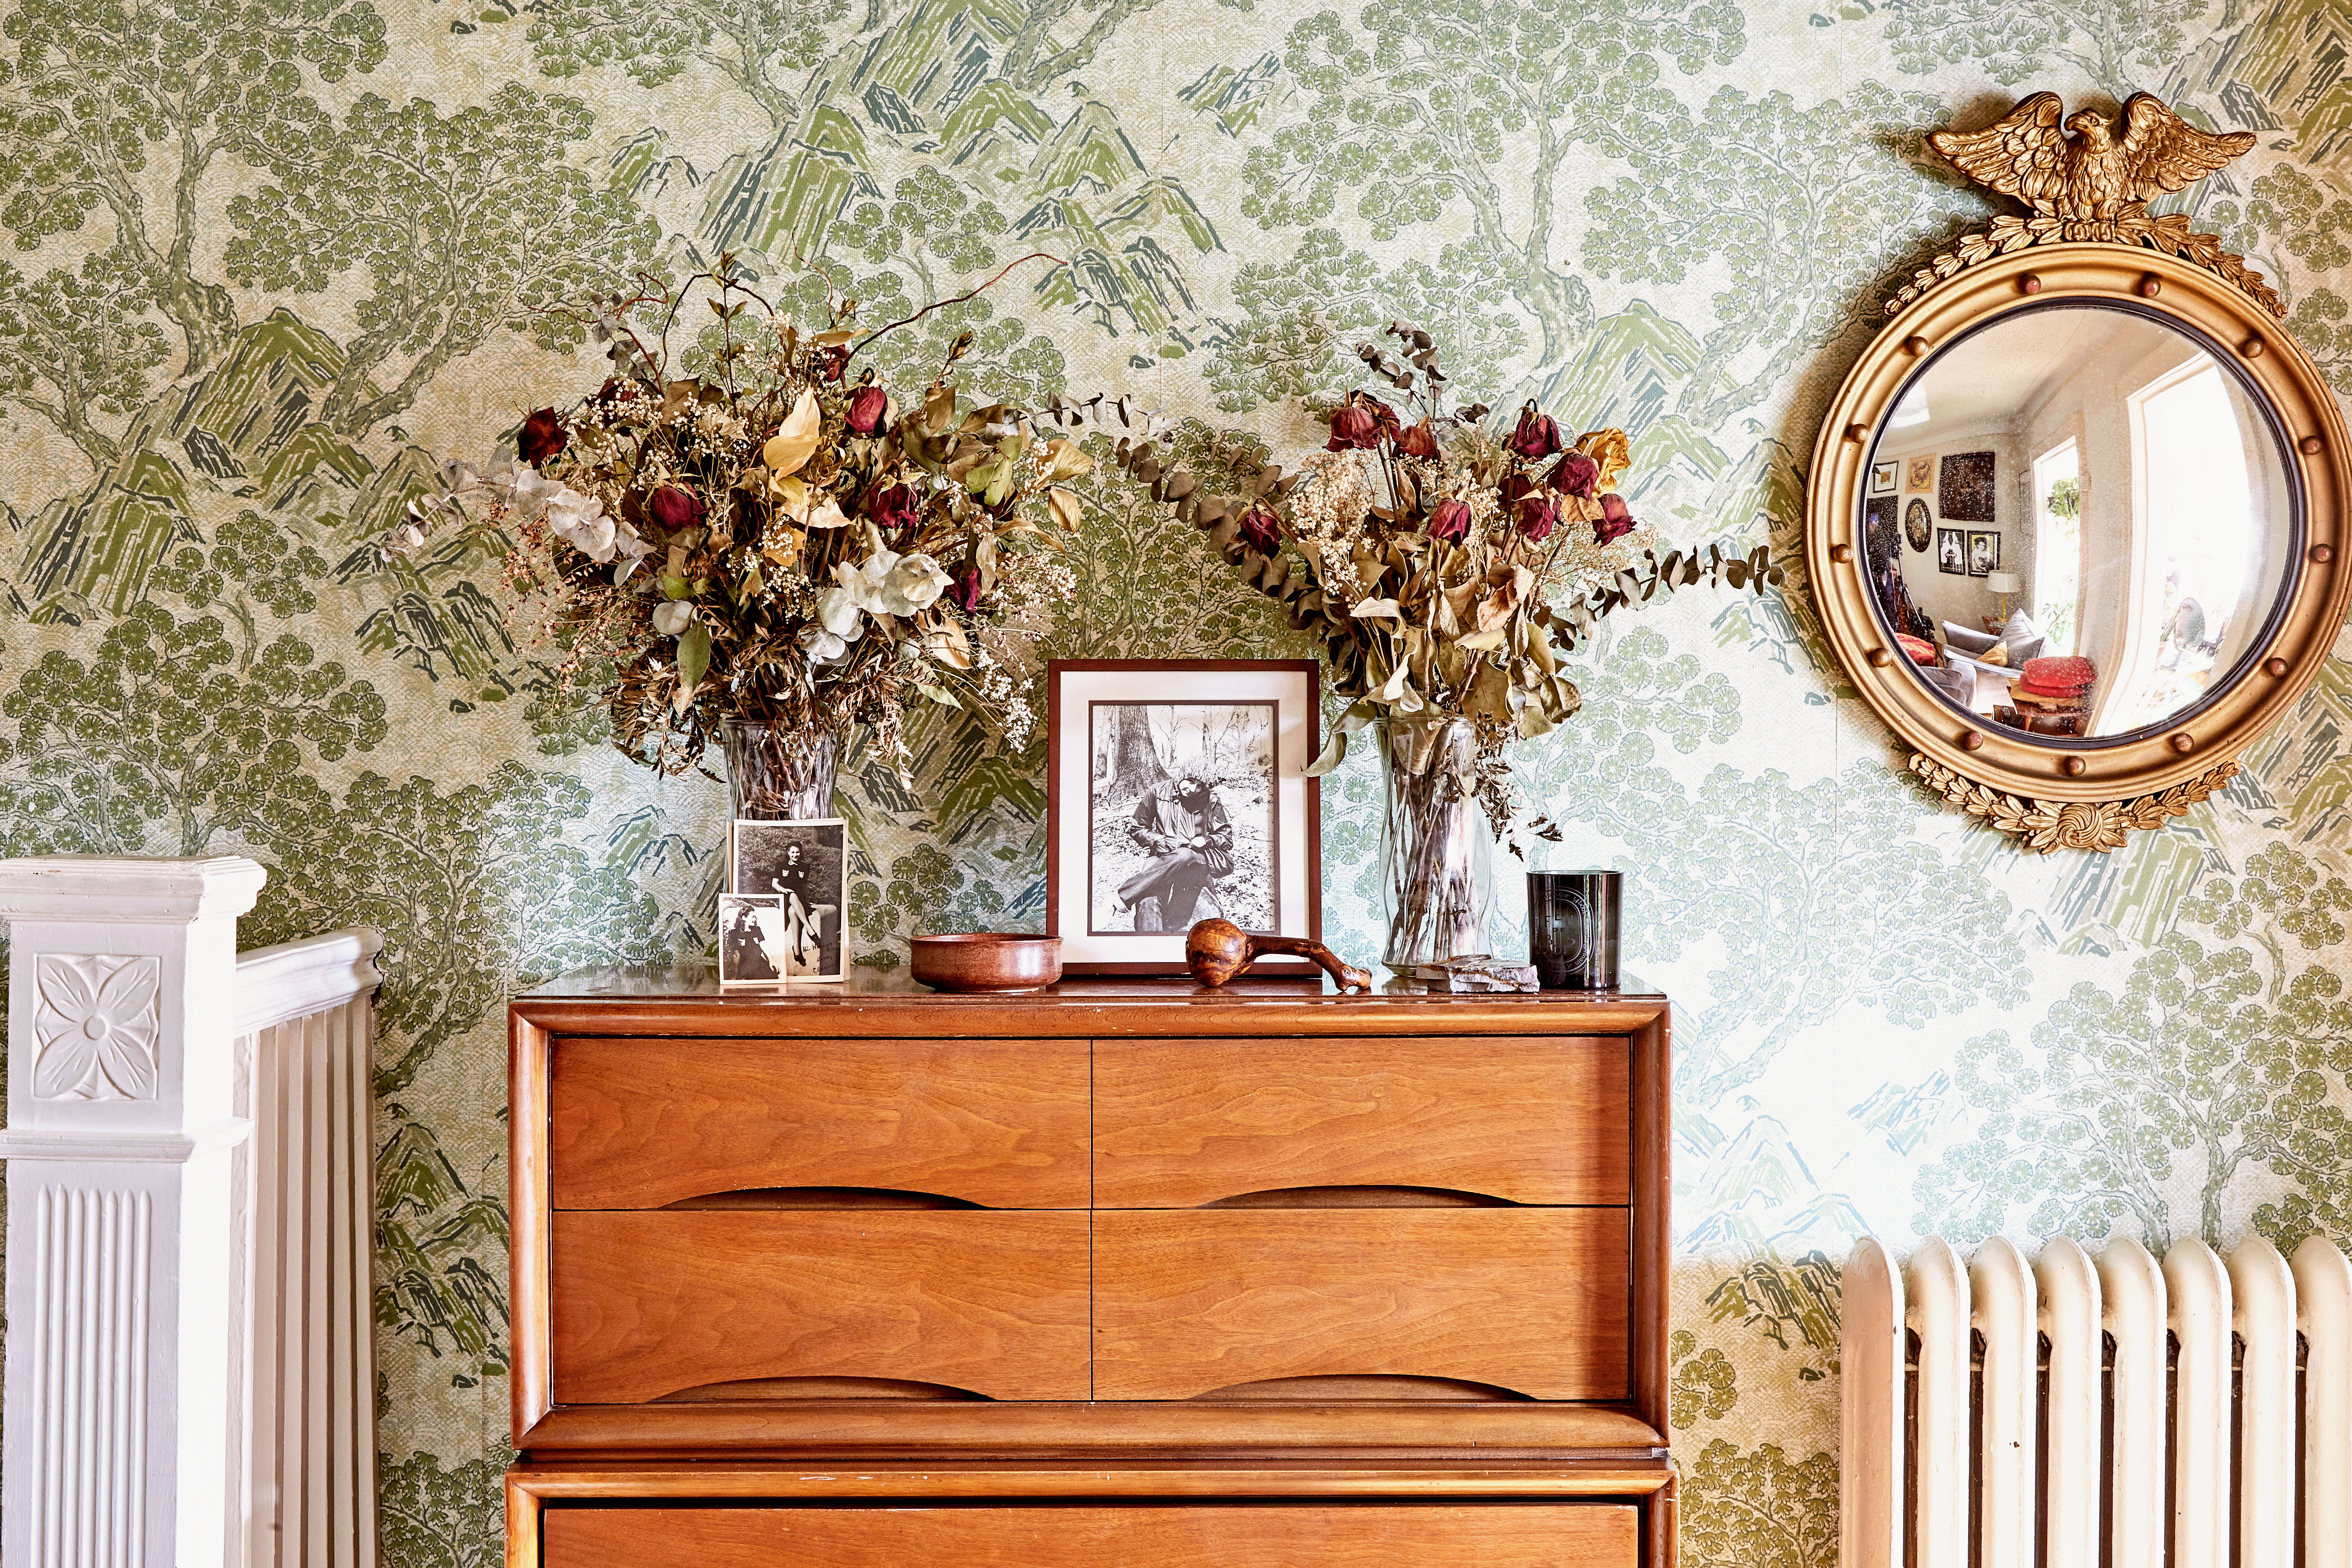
(296, 979)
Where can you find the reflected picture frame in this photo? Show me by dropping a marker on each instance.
(1984, 552)
(1952, 552)
(1177, 789)
(1883, 477)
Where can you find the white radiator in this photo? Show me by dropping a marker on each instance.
(305, 1392)
(2107, 1413)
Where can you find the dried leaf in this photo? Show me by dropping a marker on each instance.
(794, 442)
(693, 661)
(1065, 507)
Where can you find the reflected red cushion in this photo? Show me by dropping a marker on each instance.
(1919, 650)
(2058, 675)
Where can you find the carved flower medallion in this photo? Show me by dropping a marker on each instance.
(97, 1026)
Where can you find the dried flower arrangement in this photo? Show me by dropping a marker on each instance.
(1443, 562)
(1444, 565)
(768, 535)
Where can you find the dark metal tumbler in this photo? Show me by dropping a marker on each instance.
(1572, 928)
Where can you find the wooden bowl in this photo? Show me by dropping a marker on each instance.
(987, 961)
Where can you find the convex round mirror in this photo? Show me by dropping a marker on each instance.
(2075, 518)
(2084, 482)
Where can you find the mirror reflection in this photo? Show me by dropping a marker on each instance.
(2077, 522)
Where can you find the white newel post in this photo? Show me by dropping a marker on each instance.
(122, 1007)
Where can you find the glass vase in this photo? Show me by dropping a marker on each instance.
(778, 773)
(1437, 853)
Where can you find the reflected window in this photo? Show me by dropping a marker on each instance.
(2195, 530)
(2058, 546)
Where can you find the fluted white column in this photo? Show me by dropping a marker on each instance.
(122, 1009)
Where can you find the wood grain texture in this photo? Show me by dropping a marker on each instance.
(1357, 1432)
(1654, 1133)
(639, 1124)
(527, 1282)
(1181, 1535)
(1531, 1120)
(646, 1304)
(1476, 1477)
(664, 1004)
(1533, 1301)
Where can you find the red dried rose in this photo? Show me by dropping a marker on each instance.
(1536, 437)
(1512, 488)
(833, 363)
(1616, 520)
(542, 435)
(1574, 474)
(963, 588)
(1261, 528)
(1353, 427)
(1417, 440)
(1450, 523)
(674, 509)
(1536, 518)
(868, 406)
(894, 506)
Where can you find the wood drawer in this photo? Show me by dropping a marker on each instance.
(651, 1304)
(1536, 1301)
(1183, 1535)
(640, 1124)
(1528, 1120)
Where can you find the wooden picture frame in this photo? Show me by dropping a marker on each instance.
(1123, 739)
(1883, 477)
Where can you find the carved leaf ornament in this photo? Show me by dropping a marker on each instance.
(2043, 826)
(97, 1024)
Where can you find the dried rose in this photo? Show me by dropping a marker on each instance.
(542, 437)
(868, 406)
(1261, 528)
(1536, 437)
(1616, 520)
(674, 509)
(1417, 440)
(1361, 420)
(1450, 522)
(1352, 426)
(1536, 518)
(894, 506)
(1512, 488)
(963, 588)
(1574, 474)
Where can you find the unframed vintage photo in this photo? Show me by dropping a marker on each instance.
(1180, 816)
(784, 921)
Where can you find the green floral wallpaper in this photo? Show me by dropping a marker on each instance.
(270, 262)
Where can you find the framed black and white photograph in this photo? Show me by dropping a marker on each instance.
(1952, 550)
(1984, 554)
(1882, 477)
(784, 921)
(1177, 792)
(1918, 524)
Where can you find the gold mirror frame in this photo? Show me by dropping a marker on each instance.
(2051, 792)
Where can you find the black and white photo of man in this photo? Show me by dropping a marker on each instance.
(1183, 827)
(796, 869)
(1180, 816)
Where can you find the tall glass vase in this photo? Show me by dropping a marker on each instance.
(1438, 868)
(780, 771)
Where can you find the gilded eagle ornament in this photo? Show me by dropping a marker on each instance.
(2090, 178)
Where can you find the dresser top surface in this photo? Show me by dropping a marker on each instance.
(650, 996)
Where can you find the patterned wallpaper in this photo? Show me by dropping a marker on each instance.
(272, 262)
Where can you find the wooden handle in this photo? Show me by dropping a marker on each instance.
(1349, 977)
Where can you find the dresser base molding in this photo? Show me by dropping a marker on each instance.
(1350, 1430)
(535, 1489)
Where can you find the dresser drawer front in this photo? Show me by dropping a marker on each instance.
(1199, 1535)
(1531, 1121)
(652, 1304)
(1536, 1301)
(642, 1123)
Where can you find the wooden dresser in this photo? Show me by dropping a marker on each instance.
(1120, 1272)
